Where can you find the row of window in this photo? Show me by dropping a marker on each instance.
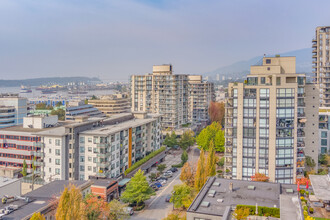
(21, 138)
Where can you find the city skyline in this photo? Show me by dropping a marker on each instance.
(113, 40)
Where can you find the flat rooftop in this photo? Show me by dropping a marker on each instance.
(5, 181)
(321, 186)
(219, 197)
(19, 128)
(39, 199)
(110, 129)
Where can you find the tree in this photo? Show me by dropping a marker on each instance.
(187, 140)
(170, 140)
(176, 215)
(116, 211)
(200, 177)
(161, 167)
(86, 101)
(212, 132)
(324, 159)
(41, 106)
(24, 169)
(184, 157)
(241, 214)
(58, 104)
(182, 196)
(70, 205)
(221, 162)
(60, 113)
(310, 162)
(93, 97)
(153, 176)
(217, 111)
(37, 216)
(94, 207)
(260, 177)
(137, 189)
(211, 161)
(187, 175)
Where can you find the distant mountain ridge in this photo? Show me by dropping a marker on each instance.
(46, 80)
(242, 68)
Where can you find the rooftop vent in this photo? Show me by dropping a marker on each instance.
(289, 190)
(250, 187)
(205, 204)
(216, 184)
(211, 193)
(220, 200)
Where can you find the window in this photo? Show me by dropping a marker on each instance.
(57, 171)
(57, 152)
(264, 93)
(264, 103)
(262, 80)
(90, 149)
(82, 149)
(249, 132)
(263, 152)
(82, 168)
(285, 92)
(89, 168)
(89, 159)
(82, 140)
(263, 122)
(283, 153)
(57, 161)
(89, 140)
(58, 142)
(264, 132)
(249, 103)
(278, 81)
(248, 122)
(324, 142)
(324, 134)
(82, 159)
(268, 61)
(249, 113)
(264, 113)
(50, 141)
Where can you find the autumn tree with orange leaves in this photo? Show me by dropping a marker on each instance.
(217, 111)
(260, 177)
(188, 174)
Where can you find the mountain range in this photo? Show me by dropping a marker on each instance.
(242, 68)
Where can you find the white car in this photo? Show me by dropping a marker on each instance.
(162, 181)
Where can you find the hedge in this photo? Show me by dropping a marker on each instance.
(262, 210)
(144, 160)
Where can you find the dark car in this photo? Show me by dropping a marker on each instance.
(173, 169)
(168, 198)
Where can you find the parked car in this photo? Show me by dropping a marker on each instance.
(161, 178)
(167, 175)
(168, 198)
(173, 169)
(156, 185)
(129, 211)
(169, 172)
(162, 181)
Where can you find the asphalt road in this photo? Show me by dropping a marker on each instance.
(156, 207)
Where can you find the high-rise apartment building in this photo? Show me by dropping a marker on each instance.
(271, 122)
(321, 63)
(166, 93)
(12, 110)
(324, 130)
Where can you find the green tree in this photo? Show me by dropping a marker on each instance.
(200, 177)
(221, 162)
(170, 140)
(153, 176)
(211, 161)
(60, 113)
(182, 196)
(37, 216)
(161, 167)
(116, 211)
(184, 157)
(58, 104)
(186, 140)
(212, 132)
(137, 190)
(310, 162)
(93, 97)
(24, 169)
(70, 205)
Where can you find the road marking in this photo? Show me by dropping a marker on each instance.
(164, 189)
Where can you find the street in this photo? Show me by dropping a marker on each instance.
(156, 207)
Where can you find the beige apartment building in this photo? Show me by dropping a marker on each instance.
(321, 63)
(271, 122)
(170, 95)
(112, 104)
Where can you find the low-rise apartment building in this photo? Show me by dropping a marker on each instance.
(112, 104)
(110, 150)
(78, 109)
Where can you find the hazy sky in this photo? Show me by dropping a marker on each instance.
(114, 39)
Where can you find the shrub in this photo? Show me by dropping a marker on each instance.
(144, 160)
(262, 210)
(311, 210)
(178, 165)
(219, 171)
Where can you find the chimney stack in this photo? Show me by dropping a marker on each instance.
(230, 187)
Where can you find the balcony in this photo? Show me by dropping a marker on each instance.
(103, 164)
(39, 163)
(301, 104)
(38, 154)
(104, 155)
(103, 145)
(38, 144)
(301, 115)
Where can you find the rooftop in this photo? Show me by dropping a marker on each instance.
(110, 129)
(39, 199)
(5, 181)
(215, 197)
(321, 186)
(19, 128)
